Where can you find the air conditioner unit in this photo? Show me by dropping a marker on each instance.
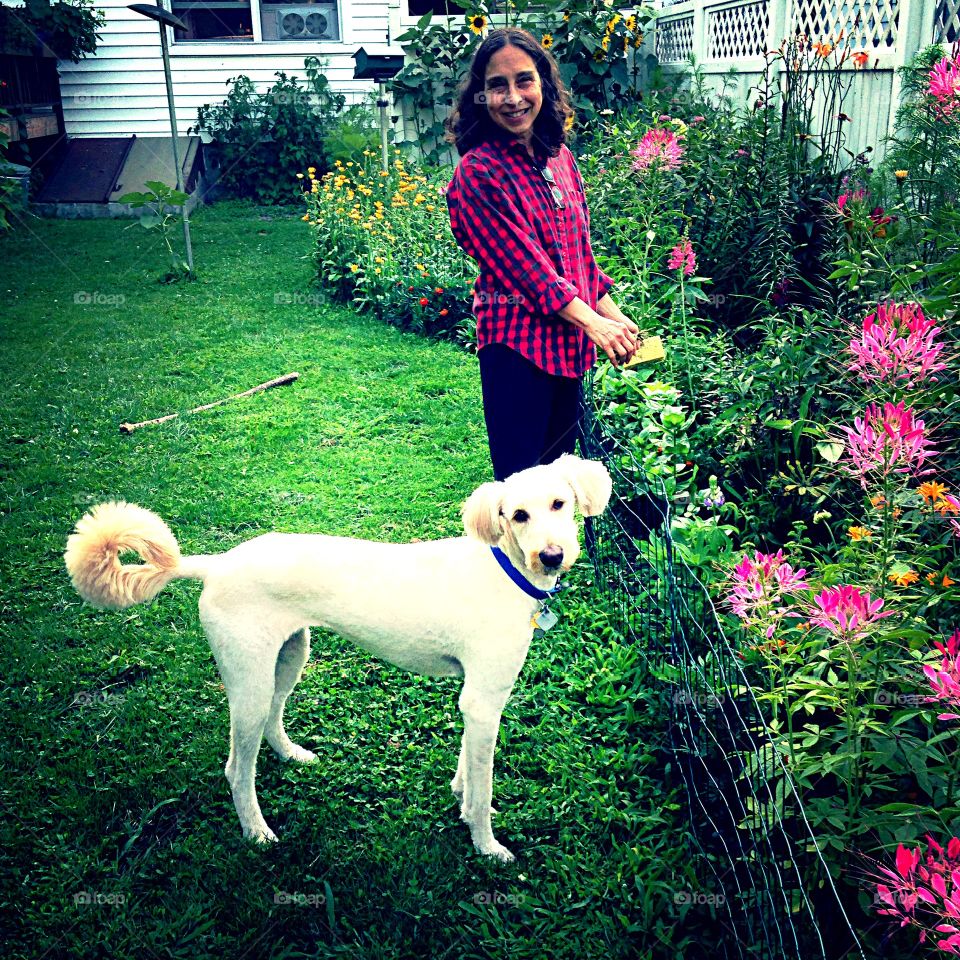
(316, 21)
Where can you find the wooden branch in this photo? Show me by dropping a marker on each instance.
(278, 382)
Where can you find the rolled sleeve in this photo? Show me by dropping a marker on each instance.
(492, 230)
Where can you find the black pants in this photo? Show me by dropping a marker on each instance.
(532, 417)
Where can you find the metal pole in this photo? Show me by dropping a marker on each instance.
(173, 130)
(382, 103)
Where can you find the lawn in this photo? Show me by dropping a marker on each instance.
(116, 723)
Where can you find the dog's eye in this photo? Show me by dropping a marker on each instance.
(521, 516)
(557, 505)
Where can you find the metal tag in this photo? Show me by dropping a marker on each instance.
(544, 619)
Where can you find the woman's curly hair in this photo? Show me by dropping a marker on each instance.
(469, 124)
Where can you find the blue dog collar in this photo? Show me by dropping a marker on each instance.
(519, 579)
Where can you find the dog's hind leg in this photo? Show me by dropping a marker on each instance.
(293, 656)
(481, 710)
(242, 655)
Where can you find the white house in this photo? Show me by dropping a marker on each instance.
(120, 90)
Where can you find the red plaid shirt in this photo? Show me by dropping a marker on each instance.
(534, 258)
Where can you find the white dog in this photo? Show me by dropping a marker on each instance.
(443, 608)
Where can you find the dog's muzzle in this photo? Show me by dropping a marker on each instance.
(551, 557)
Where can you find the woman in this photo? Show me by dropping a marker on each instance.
(517, 206)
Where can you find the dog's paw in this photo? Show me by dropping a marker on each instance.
(498, 850)
(300, 755)
(261, 835)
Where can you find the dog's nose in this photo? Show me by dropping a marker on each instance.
(551, 556)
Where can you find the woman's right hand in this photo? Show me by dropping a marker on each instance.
(618, 339)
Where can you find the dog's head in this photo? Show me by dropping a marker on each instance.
(530, 515)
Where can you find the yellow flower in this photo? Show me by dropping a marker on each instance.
(599, 55)
(546, 41)
(476, 22)
(859, 533)
(566, 18)
(299, 176)
(904, 579)
(568, 123)
(306, 216)
(931, 490)
(631, 23)
(311, 169)
(605, 42)
(638, 41)
(901, 175)
(612, 23)
(353, 268)
(378, 260)
(430, 208)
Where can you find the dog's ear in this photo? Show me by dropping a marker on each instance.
(481, 513)
(590, 481)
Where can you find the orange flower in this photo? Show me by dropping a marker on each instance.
(931, 490)
(878, 501)
(947, 582)
(438, 290)
(444, 312)
(860, 59)
(904, 579)
(859, 533)
(946, 505)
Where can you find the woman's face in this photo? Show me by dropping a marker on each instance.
(513, 92)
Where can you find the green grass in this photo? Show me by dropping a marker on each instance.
(116, 724)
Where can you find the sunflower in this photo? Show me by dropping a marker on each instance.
(477, 22)
(546, 41)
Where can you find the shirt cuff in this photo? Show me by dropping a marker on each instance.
(556, 296)
(606, 285)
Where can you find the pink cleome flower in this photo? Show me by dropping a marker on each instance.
(884, 441)
(658, 148)
(944, 84)
(896, 343)
(682, 256)
(847, 612)
(945, 681)
(758, 587)
(924, 892)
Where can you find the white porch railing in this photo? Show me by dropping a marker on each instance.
(725, 34)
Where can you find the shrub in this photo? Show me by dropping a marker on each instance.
(259, 138)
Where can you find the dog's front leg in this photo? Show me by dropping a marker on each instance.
(481, 709)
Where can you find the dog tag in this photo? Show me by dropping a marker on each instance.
(544, 619)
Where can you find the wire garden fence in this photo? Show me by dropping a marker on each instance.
(763, 889)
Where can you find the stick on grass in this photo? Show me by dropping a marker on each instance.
(278, 382)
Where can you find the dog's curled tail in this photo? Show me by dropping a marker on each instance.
(93, 556)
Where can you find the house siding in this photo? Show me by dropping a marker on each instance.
(120, 90)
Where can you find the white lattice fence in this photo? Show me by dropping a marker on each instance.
(947, 21)
(859, 24)
(737, 32)
(674, 41)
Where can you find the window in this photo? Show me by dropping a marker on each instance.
(299, 21)
(214, 19)
(439, 8)
(295, 20)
